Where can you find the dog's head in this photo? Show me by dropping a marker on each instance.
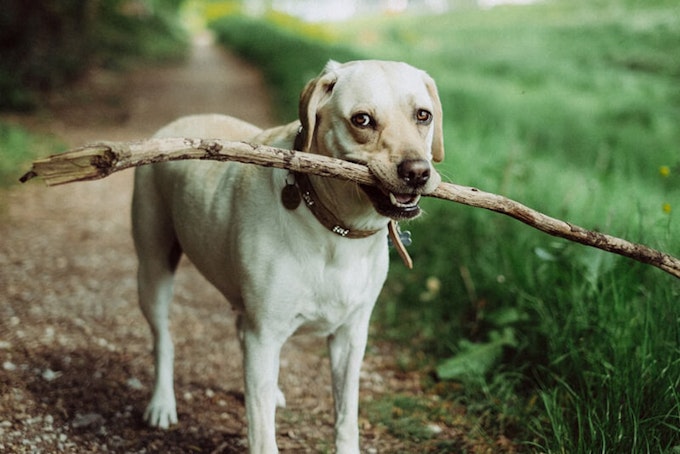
(386, 115)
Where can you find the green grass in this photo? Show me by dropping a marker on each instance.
(570, 107)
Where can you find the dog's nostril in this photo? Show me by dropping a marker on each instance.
(414, 172)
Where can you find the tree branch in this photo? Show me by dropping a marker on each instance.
(101, 159)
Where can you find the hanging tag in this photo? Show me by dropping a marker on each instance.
(405, 237)
(290, 195)
(395, 237)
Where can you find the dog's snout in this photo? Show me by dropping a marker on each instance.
(414, 172)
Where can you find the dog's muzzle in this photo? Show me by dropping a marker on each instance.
(401, 202)
(394, 206)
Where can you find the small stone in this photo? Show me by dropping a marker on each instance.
(134, 383)
(434, 429)
(87, 420)
(50, 375)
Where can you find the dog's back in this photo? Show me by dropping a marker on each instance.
(167, 193)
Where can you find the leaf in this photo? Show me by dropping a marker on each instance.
(505, 316)
(544, 255)
(476, 359)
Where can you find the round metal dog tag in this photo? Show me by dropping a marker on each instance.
(290, 196)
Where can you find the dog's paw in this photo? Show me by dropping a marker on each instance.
(280, 398)
(161, 413)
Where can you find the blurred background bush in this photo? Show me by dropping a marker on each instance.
(44, 45)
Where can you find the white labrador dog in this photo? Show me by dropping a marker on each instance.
(317, 267)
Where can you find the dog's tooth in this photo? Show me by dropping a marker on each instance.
(408, 200)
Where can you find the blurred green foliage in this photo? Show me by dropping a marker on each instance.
(44, 45)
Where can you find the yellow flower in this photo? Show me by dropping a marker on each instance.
(665, 171)
(666, 208)
(433, 284)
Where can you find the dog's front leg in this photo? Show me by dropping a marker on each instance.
(261, 352)
(347, 346)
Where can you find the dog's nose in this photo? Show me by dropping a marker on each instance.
(414, 172)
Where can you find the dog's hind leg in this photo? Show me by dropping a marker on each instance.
(159, 252)
(155, 292)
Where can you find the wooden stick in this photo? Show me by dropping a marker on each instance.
(101, 159)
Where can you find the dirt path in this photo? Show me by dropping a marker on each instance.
(75, 363)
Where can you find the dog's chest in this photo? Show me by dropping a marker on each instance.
(320, 288)
(338, 290)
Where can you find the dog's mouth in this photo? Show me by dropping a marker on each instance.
(394, 206)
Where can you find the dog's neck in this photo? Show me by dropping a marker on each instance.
(325, 215)
(340, 206)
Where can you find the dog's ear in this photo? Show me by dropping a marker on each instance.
(313, 96)
(331, 66)
(438, 139)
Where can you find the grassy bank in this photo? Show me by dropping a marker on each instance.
(571, 108)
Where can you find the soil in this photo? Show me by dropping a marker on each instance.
(75, 351)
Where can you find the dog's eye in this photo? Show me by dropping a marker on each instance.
(424, 117)
(362, 120)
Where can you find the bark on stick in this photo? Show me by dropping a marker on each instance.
(101, 159)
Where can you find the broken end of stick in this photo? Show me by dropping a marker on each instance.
(87, 163)
(28, 176)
